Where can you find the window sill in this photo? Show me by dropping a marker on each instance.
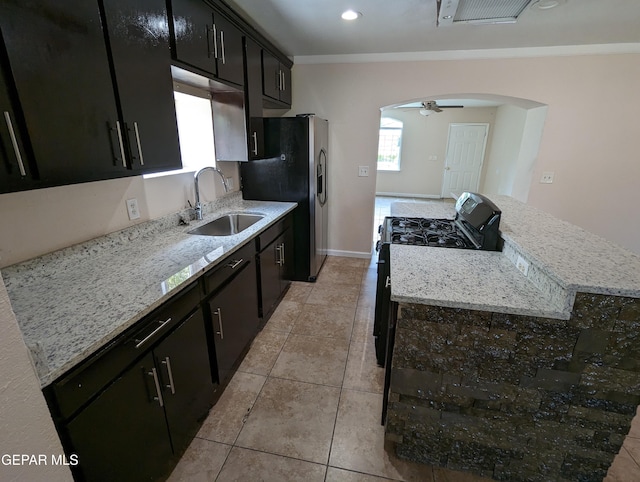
(169, 173)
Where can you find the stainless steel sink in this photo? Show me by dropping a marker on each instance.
(228, 224)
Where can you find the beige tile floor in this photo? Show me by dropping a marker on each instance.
(305, 403)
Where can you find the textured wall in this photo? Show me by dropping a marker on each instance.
(25, 423)
(515, 397)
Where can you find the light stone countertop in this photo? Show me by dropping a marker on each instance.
(465, 278)
(72, 302)
(564, 259)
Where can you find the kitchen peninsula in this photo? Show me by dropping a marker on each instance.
(515, 377)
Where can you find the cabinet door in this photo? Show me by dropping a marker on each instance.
(15, 171)
(122, 435)
(287, 268)
(234, 313)
(193, 30)
(139, 40)
(59, 63)
(285, 91)
(270, 277)
(228, 48)
(253, 90)
(270, 76)
(183, 362)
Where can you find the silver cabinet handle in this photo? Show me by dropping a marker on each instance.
(124, 160)
(282, 253)
(387, 283)
(284, 85)
(219, 313)
(135, 128)
(215, 42)
(139, 343)
(279, 255)
(255, 143)
(222, 46)
(14, 142)
(154, 374)
(235, 264)
(167, 363)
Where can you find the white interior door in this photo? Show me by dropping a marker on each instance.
(464, 158)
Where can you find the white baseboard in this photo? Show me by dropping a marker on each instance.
(409, 195)
(349, 254)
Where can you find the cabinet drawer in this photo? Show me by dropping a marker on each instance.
(214, 279)
(267, 237)
(83, 382)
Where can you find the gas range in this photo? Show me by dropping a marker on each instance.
(475, 226)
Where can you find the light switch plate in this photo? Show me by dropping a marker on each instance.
(132, 209)
(363, 171)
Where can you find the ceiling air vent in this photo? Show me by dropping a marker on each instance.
(479, 11)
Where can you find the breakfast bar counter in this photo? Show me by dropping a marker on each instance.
(509, 376)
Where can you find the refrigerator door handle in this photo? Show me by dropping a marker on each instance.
(322, 177)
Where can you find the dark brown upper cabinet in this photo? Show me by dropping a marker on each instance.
(253, 104)
(138, 34)
(15, 169)
(59, 64)
(91, 91)
(276, 79)
(207, 40)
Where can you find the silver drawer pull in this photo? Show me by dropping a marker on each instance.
(119, 130)
(171, 386)
(255, 143)
(135, 128)
(14, 143)
(215, 42)
(387, 283)
(235, 264)
(219, 313)
(139, 343)
(154, 374)
(224, 60)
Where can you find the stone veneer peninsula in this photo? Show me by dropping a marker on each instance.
(513, 377)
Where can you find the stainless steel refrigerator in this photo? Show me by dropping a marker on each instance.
(296, 171)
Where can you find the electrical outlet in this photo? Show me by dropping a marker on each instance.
(432, 157)
(547, 177)
(363, 171)
(132, 209)
(522, 265)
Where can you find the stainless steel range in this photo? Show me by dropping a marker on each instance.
(475, 226)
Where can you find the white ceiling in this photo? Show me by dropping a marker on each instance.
(303, 28)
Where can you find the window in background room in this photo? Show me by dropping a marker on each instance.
(195, 129)
(389, 141)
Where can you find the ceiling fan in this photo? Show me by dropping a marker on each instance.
(430, 106)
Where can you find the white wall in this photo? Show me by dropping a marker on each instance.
(423, 137)
(44, 220)
(591, 150)
(25, 423)
(500, 169)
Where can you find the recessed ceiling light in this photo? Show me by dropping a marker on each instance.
(547, 4)
(350, 15)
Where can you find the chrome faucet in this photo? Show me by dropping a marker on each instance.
(198, 207)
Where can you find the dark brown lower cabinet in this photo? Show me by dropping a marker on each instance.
(146, 418)
(235, 321)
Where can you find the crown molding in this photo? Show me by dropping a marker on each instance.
(554, 51)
